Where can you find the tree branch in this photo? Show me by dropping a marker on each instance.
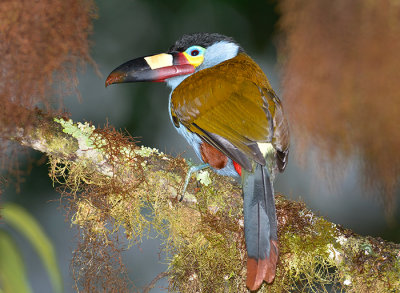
(109, 181)
(154, 281)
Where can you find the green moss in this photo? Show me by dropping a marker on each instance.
(307, 257)
(62, 143)
(370, 265)
(203, 237)
(205, 246)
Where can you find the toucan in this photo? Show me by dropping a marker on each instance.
(222, 103)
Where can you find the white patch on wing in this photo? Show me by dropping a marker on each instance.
(266, 148)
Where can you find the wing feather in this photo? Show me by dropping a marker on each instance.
(230, 107)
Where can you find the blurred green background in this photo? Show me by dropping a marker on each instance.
(126, 29)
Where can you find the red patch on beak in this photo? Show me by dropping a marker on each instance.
(164, 73)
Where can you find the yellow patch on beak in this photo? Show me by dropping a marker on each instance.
(160, 60)
(194, 60)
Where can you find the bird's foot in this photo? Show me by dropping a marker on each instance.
(193, 169)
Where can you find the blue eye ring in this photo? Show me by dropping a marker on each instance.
(195, 51)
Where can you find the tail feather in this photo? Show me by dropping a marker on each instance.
(260, 228)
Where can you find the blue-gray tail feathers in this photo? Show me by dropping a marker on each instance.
(260, 227)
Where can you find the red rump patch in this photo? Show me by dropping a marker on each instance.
(212, 156)
(238, 168)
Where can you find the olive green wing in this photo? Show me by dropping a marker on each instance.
(229, 108)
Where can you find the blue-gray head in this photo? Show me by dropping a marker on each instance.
(203, 50)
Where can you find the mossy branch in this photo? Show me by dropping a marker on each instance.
(110, 184)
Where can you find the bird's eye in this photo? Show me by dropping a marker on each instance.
(195, 51)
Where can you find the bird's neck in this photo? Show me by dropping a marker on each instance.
(173, 82)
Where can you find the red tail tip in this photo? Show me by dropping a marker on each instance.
(262, 269)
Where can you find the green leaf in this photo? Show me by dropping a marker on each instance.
(22, 221)
(12, 271)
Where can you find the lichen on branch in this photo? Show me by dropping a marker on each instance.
(113, 187)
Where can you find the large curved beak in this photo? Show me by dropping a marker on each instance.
(155, 68)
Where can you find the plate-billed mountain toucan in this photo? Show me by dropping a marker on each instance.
(223, 105)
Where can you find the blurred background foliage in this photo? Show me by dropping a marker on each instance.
(125, 29)
(13, 277)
